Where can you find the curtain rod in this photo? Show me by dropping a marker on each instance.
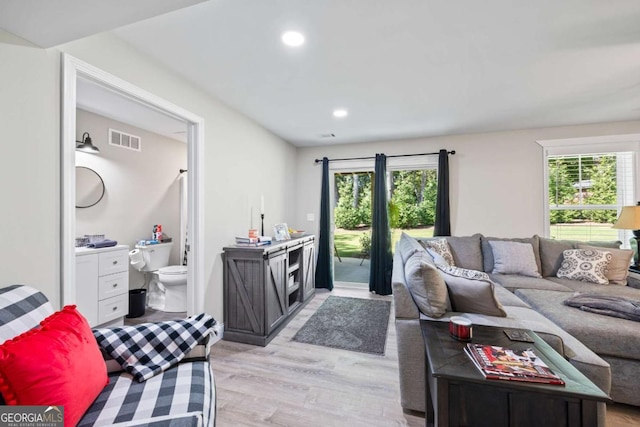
(397, 155)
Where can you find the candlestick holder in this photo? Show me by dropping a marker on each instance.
(262, 221)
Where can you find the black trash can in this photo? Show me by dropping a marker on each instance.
(137, 302)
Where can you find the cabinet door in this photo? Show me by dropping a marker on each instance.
(275, 290)
(309, 270)
(87, 287)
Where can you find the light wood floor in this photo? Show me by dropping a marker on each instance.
(294, 384)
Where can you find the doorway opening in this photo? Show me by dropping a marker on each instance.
(73, 71)
(412, 193)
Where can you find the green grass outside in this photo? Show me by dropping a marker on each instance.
(591, 232)
(348, 241)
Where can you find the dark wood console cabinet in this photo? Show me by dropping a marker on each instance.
(265, 286)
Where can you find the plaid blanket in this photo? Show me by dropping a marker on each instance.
(147, 349)
(182, 395)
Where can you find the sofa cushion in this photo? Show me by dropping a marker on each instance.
(187, 389)
(466, 251)
(551, 252)
(513, 282)
(439, 246)
(58, 363)
(587, 287)
(487, 253)
(551, 255)
(618, 268)
(587, 265)
(469, 295)
(605, 335)
(508, 298)
(426, 285)
(407, 246)
(513, 258)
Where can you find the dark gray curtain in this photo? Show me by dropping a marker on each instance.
(443, 214)
(381, 258)
(324, 266)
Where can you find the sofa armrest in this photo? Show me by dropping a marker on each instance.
(404, 306)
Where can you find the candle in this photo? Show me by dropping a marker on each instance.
(262, 205)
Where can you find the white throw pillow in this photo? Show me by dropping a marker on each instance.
(587, 265)
(441, 247)
(514, 258)
(618, 268)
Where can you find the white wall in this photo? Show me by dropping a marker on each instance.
(496, 178)
(241, 160)
(142, 187)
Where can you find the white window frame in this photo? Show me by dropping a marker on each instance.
(588, 145)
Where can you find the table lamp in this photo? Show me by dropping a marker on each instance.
(629, 219)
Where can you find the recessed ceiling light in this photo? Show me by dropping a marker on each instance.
(340, 113)
(292, 38)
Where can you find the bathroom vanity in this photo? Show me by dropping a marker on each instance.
(102, 284)
(265, 286)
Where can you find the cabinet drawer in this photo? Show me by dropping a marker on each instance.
(112, 285)
(112, 308)
(113, 262)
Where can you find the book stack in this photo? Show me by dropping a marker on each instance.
(253, 241)
(500, 363)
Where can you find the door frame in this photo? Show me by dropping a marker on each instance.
(74, 68)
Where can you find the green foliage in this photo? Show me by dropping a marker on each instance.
(412, 201)
(351, 213)
(564, 176)
(365, 243)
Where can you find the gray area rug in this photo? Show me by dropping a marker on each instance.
(348, 323)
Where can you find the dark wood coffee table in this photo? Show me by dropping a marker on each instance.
(459, 395)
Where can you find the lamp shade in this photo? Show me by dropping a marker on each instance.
(86, 144)
(629, 218)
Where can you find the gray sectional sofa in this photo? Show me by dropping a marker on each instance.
(605, 349)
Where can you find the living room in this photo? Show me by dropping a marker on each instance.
(497, 174)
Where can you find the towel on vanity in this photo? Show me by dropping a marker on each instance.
(106, 243)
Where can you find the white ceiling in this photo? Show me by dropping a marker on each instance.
(94, 98)
(53, 22)
(404, 68)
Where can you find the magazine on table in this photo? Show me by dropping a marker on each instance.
(503, 363)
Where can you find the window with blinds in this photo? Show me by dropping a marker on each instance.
(586, 194)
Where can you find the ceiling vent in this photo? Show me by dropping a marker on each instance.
(125, 140)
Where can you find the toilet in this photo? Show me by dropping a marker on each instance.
(167, 284)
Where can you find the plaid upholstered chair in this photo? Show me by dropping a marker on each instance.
(181, 395)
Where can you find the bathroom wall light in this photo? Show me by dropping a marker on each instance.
(86, 146)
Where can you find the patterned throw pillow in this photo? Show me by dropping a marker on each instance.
(464, 272)
(587, 265)
(440, 247)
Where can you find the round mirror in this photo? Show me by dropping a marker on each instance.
(89, 187)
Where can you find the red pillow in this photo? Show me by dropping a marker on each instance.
(58, 363)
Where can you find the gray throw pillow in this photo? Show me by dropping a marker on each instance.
(426, 285)
(487, 253)
(513, 258)
(472, 295)
(407, 246)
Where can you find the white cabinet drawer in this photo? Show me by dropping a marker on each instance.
(112, 285)
(112, 308)
(113, 262)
